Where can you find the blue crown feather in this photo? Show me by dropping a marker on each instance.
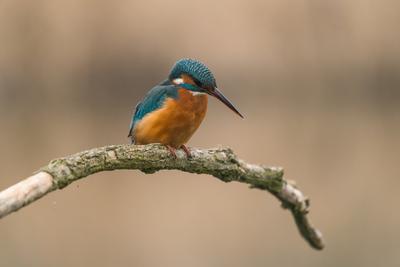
(194, 68)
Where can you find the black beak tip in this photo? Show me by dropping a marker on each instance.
(218, 94)
(238, 113)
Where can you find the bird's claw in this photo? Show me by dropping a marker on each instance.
(187, 151)
(172, 151)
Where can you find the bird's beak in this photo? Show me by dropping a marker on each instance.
(218, 94)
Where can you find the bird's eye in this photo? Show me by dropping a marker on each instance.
(198, 83)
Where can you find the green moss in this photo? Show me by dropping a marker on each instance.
(221, 163)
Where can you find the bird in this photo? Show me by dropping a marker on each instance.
(171, 112)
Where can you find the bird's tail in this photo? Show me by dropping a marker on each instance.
(130, 136)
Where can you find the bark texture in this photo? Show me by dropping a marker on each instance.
(221, 163)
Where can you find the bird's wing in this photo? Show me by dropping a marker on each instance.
(153, 100)
(137, 107)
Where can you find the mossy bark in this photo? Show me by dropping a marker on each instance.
(221, 163)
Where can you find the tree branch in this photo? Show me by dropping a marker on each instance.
(221, 163)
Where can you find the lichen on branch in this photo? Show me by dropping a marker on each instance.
(221, 163)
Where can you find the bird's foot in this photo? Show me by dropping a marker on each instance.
(171, 150)
(187, 151)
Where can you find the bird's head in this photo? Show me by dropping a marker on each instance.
(196, 77)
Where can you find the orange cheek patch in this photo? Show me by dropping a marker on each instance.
(187, 79)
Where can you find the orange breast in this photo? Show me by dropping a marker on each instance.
(174, 123)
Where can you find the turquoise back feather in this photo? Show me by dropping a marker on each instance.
(153, 100)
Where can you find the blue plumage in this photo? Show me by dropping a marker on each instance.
(153, 100)
(200, 72)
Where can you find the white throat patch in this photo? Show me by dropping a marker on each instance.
(197, 93)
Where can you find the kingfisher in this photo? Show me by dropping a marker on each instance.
(172, 111)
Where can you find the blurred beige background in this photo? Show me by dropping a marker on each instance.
(318, 82)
